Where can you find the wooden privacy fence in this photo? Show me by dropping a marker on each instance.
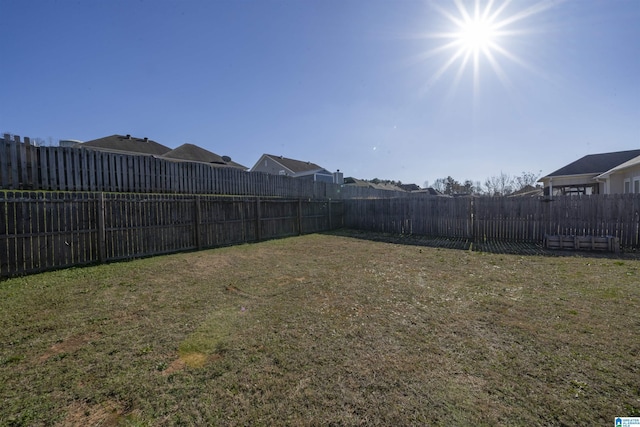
(24, 166)
(47, 230)
(516, 219)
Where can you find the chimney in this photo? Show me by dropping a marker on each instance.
(338, 177)
(128, 136)
(146, 139)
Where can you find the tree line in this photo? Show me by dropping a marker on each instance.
(497, 185)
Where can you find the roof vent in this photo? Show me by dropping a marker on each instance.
(146, 139)
(226, 158)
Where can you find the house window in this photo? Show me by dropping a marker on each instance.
(627, 186)
(636, 185)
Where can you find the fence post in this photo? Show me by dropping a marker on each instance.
(13, 158)
(258, 220)
(300, 216)
(329, 211)
(22, 153)
(198, 220)
(472, 214)
(102, 250)
(5, 164)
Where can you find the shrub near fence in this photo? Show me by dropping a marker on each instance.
(46, 230)
(515, 219)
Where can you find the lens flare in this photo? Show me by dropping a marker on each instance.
(478, 37)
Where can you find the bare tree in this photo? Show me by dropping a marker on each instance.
(526, 179)
(499, 185)
(439, 185)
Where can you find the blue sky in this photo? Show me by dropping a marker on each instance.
(355, 85)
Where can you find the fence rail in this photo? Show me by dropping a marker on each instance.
(512, 219)
(46, 230)
(24, 166)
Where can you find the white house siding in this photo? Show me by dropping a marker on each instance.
(631, 175)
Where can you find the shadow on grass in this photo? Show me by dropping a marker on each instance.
(494, 247)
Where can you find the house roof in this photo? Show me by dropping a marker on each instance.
(356, 182)
(362, 183)
(194, 153)
(596, 163)
(430, 190)
(410, 187)
(295, 166)
(126, 143)
(627, 164)
(528, 191)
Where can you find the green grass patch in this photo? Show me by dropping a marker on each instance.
(323, 330)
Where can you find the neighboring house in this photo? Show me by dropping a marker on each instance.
(193, 153)
(624, 178)
(125, 144)
(430, 191)
(368, 184)
(606, 173)
(279, 165)
(528, 191)
(410, 187)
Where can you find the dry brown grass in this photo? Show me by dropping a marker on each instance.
(324, 330)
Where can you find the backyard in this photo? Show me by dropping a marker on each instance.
(324, 329)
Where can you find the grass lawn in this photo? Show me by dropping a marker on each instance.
(324, 330)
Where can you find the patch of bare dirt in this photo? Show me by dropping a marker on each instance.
(69, 345)
(104, 414)
(175, 366)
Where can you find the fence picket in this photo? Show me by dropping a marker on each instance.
(5, 161)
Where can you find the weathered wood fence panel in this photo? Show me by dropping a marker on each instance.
(24, 166)
(429, 216)
(517, 219)
(45, 230)
(513, 219)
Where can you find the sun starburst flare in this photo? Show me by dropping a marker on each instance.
(477, 37)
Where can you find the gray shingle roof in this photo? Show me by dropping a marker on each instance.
(194, 153)
(596, 163)
(126, 143)
(296, 166)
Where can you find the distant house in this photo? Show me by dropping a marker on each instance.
(410, 187)
(193, 153)
(125, 144)
(430, 191)
(606, 173)
(279, 165)
(368, 184)
(528, 191)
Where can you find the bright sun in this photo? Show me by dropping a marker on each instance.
(478, 35)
